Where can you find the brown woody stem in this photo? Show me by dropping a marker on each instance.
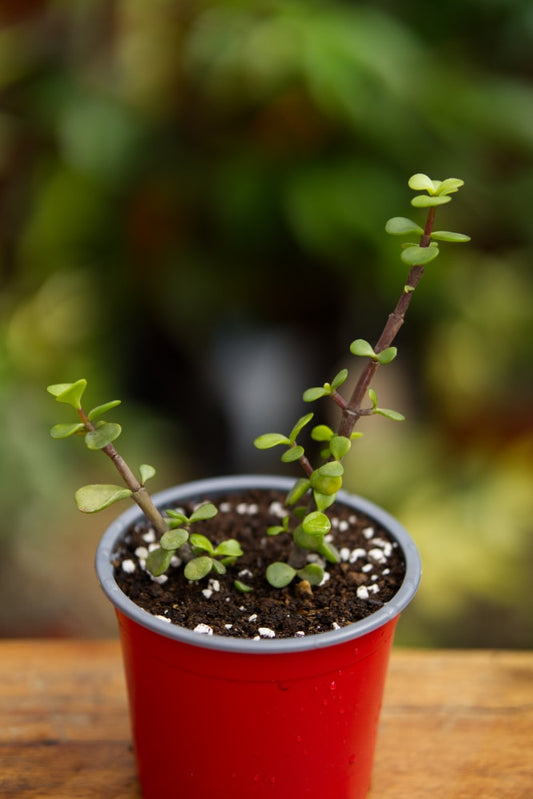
(353, 411)
(139, 494)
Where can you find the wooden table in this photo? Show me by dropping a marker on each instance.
(455, 724)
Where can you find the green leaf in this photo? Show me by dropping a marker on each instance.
(329, 552)
(401, 225)
(449, 186)
(158, 561)
(333, 469)
(312, 394)
(197, 568)
(324, 501)
(173, 539)
(387, 355)
(300, 424)
(316, 523)
(280, 574)
(66, 430)
(201, 543)
(322, 433)
(389, 414)
(229, 548)
(92, 498)
(203, 512)
(292, 454)
(100, 409)
(146, 472)
(421, 182)
(423, 201)
(417, 256)
(242, 587)
(362, 348)
(269, 440)
(327, 479)
(70, 393)
(447, 235)
(102, 436)
(313, 573)
(307, 540)
(300, 488)
(177, 517)
(219, 567)
(339, 378)
(373, 397)
(276, 529)
(340, 446)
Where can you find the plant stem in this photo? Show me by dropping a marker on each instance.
(353, 410)
(139, 494)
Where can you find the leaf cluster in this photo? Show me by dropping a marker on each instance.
(437, 193)
(206, 557)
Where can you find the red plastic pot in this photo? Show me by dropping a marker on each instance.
(269, 719)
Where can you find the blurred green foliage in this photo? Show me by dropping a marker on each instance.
(177, 169)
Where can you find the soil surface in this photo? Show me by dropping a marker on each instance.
(370, 572)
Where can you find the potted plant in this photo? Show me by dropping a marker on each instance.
(256, 614)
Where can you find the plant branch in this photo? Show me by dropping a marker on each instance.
(139, 494)
(353, 410)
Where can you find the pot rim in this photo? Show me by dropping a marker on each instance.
(212, 487)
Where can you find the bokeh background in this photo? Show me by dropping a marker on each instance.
(192, 202)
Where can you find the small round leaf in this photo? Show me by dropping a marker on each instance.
(100, 409)
(387, 355)
(92, 498)
(66, 430)
(146, 472)
(312, 394)
(158, 561)
(401, 226)
(322, 433)
(203, 512)
(300, 424)
(242, 587)
(230, 548)
(173, 539)
(292, 454)
(300, 488)
(389, 414)
(362, 348)
(340, 446)
(316, 523)
(421, 182)
(201, 543)
(448, 235)
(417, 256)
(424, 201)
(70, 393)
(339, 378)
(269, 440)
(280, 574)
(197, 568)
(313, 573)
(102, 436)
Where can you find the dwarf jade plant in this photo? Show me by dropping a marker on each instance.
(306, 520)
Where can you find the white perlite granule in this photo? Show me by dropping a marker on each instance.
(203, 629)
(266, 632)
(128, 566)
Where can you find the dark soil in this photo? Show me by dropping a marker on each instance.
(353, 591)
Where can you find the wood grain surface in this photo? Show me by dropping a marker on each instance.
(455, 724)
